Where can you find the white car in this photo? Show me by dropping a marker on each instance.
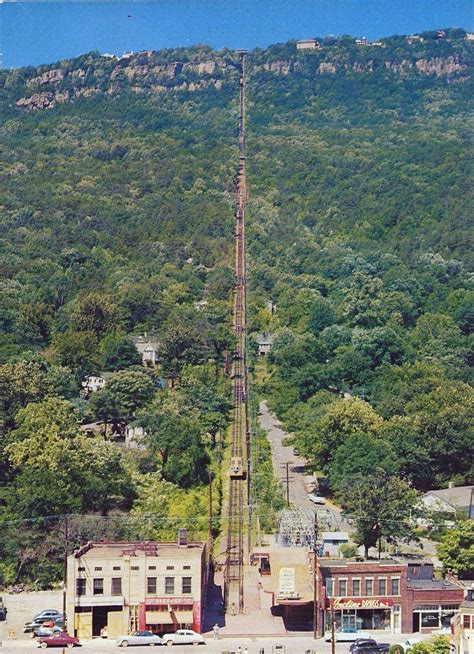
(183, 637)
(348, 636)
(139, 638)
(315, 498)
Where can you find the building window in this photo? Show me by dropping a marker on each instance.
(152, 567)
(186, 585)
(151, 585)
(80, 587)
(356, 587)
(98, 586)
(369, 587)
(81, 569)
(466, 621)
(116, 585)
(116, 567)
(170, 567)
(134, 567)
(186, 567)
(329, 586)
(98, 569)
(396, 586)
(342, 587)
(382, 586)
(169, 585)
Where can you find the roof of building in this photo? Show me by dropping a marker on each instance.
(149, 548)
(265, 338)
(307, 41)
(335, 535)
(458, 496)
(432, 584)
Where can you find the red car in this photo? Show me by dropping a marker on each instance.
(59, 639)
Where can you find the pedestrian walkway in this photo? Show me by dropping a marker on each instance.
(257, 618)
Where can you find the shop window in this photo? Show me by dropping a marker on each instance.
(98, 586)
(369, 587)
(342, 587)
(430, 620)
(116, 585)
(169, 585)
(80, 587)
(382, 587)
(356, 587)
(395, 586)
(186, 585)
(151, 585)
(329, 586)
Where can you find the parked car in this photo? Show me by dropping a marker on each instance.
(315, 498)
(183, 637)
(348, 635)
(403, 648)
(60, 639)
(368, 646)
(139, 638)
(30, 627)
(46, 631)
(49, 613)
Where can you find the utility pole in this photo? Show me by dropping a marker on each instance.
(209, 518)
(66, 547)
(287, 481)
(333, 635)
(315, 579)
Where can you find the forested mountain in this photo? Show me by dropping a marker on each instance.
(116, 206)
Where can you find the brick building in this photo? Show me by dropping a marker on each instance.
(136, 585)
(396, 595)
(462, 626)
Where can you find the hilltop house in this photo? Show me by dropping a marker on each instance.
(147, 347)
(307, 44)
(264, 342)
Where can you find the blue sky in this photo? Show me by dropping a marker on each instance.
(43, 32)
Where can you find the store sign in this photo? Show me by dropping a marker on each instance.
(287, 581)
(370, 603)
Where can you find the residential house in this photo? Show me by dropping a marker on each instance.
(147, 347)
(307, 44)
(451, 500)
(264, 342)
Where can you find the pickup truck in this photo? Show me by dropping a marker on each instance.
(368, 646)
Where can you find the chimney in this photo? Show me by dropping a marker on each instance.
(182, 537)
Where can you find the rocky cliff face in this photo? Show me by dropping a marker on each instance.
(202, 68)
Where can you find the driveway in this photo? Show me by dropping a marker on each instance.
(301, 482)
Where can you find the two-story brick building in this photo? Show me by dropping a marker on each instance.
(396, 595)
(136, 585)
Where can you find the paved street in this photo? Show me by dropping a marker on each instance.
(291, 644)
(301, 482)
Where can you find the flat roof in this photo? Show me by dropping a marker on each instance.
(147, 548)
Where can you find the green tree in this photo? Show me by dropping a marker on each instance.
(381, 506)
(456, 549)
(118, 352)
(342, 419)
(95, 313)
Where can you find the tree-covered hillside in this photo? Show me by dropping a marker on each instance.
(116, 206)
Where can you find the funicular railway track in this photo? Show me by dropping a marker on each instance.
(234, 578)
